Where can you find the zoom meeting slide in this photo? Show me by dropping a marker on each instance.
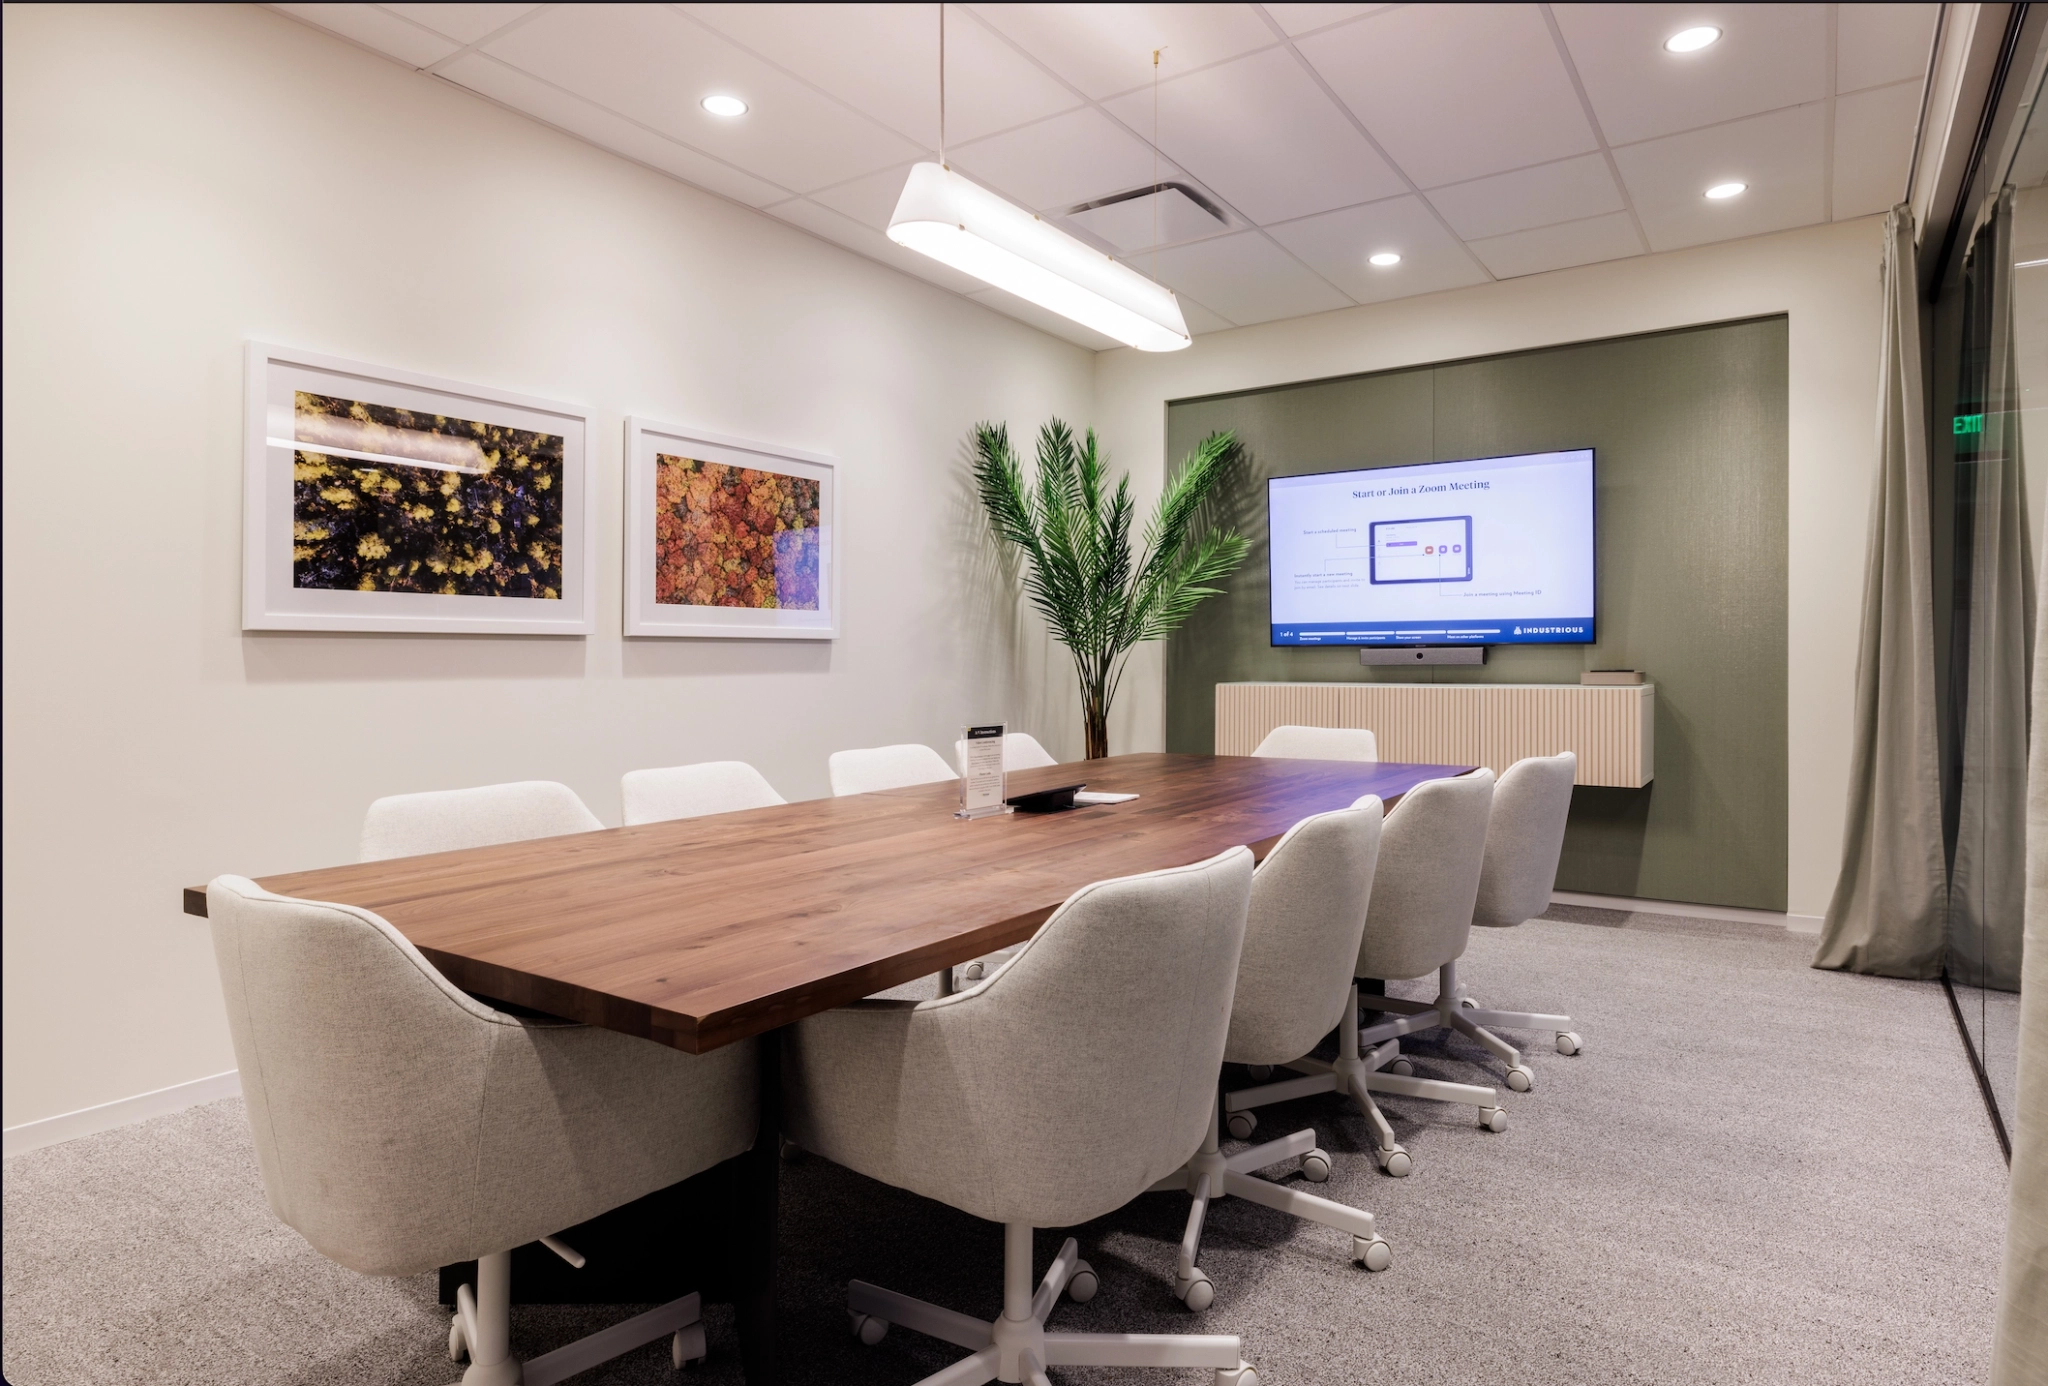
(1497, 551)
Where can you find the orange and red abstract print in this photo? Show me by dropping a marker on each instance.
(734, 536)
(390, 500)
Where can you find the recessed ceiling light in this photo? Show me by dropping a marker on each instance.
(1724, 190)
(1692, 40)
(725, 105)
(1385, 258)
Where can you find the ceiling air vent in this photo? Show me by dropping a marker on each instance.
(1126, 220)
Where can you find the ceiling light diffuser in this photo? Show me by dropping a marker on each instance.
(1726, 190)
(1692, 40)
(724, 106)
(962, 224)
(1384, 259)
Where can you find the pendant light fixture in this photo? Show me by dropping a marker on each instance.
(963, 224)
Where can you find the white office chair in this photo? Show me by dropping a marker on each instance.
(1524, 839)
(447, 820)
(887, 767)
(1021, 751)
(1319, 743)
(1056, 1091)
(1307, 916)
(691, 791)
(402, 1125)
(1421, 912)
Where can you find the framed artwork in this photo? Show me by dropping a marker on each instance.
(379, 500)
(728, 539)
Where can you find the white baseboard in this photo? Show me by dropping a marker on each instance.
(1793, 923)
(34, 1135)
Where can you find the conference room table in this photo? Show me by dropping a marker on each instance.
(701, 932)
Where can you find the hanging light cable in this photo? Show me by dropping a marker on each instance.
(962, 224)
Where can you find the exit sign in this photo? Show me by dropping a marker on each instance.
(1969, 423)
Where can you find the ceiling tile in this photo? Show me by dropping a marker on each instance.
(1133, 224)
(1336, 245)
(1244, 277)
(1201, 319)
(871, 201)
(537, 99)
(1059, 163)
(653, 65)
(1610, 237)
(1564, 191)
(1453, 92)
(1050, 323)
(1778, 155)
(823, 221)
(463, 23)
(376, 29)
(1879, 44)
(1106, 49)
(1302, 19)
(1769, 56)
(1874, 147)
(883, 60)
(1265, 136)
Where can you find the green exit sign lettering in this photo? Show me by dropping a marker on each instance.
(1969, 423)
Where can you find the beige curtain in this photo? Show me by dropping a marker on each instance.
(1887, 912)
(1987, 887)
(2019, 1355)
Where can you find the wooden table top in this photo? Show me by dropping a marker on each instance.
(701, 931)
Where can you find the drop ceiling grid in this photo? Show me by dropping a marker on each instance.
(1492, 140)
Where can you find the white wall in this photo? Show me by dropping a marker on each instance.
(180, 179)
(1825, 279)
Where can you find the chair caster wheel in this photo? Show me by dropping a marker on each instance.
(1468, 1003)
(1401, 1068)
(1315, 1166)
(1259, 1072)
(1521, 1079)
(1242, 1124)
(1197, 1291)
(687, 1345)
(973, 972)
(1239, 1375)
(1568, 1043)
(1493, 1119)
(1082, 1284)
(1394, 1160)
(455, 1343)
(1374, 1255)
(868, 1328)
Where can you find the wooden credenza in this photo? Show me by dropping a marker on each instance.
(1493, 725)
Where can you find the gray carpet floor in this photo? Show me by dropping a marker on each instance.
(1755, 1173)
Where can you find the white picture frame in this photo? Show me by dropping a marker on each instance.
(294, 583)
(662, 559)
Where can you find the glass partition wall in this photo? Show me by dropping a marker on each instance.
(1993, 329)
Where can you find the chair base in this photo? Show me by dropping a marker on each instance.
(483, 1321)
(1567, 1040)
(1358, 1073)
(1017, 1348)
(1211, 1175)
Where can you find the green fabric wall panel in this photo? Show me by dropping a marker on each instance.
(1689, 429)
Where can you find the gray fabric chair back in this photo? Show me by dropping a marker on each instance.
(402, 1125)
(875, 768)
(1524, 838)
(1431, 852)
(1307, 917)
(691, 791)
(1319, 743)
(1080, 1074)
(448, 820)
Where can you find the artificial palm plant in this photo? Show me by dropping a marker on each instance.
(1097, 597)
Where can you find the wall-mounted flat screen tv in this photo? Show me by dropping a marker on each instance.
(1494, 551)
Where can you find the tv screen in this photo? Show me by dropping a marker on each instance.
(1496, 551)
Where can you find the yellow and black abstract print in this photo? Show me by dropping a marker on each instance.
(390, 500)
